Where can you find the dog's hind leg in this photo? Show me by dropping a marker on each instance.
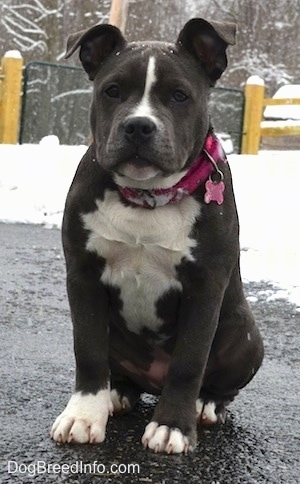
(210, 412)
(124, 395)
(235, 357)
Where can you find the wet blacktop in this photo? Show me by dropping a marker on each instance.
(259, 443)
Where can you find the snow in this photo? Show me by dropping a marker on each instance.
(285, 112)
(255, 81)
(34, 181)
(267, 193)
(13, 54)
(280, 124)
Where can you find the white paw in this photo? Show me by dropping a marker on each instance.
(119, 404)
(84, 419)
(206, 414)
(161, 438)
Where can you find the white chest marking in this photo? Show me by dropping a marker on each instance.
(141, 248)
(144, 108)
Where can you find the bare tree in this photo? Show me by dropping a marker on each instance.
(269, 34)
(25, 24)
(39, 28)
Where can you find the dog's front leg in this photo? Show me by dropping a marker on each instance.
(85, 416)
(173, 427)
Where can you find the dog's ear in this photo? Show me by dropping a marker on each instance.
(95, 44)
(207, 42)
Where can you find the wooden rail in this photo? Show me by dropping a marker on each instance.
(254, 128)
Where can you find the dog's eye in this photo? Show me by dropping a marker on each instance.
(179, 96)
(113, 91)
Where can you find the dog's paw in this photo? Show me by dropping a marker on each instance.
(121, 403)
(208, 413)
(84, 419)
(161, 438)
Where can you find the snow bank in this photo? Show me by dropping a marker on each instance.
(34, 180)
(288, 111)
(267, 194)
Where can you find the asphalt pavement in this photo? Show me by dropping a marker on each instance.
(259, 443)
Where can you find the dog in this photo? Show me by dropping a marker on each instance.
(151, 241)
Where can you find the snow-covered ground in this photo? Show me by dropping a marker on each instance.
(34, 180)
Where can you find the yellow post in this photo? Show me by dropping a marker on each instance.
(254, 97)
(10, 96)
(118, 13)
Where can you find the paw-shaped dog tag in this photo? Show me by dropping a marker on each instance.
(214, 191)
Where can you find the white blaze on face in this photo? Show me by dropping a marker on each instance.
(144, 108)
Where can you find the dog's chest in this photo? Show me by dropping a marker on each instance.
(141, 249)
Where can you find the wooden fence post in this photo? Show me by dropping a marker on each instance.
(118, 13)
(254, 97)
(10, 96)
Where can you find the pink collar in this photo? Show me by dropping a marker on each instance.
(199, 172)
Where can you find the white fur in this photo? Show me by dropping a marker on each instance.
(209, 413)
(144, 108)
(141, 248)
(161, 438)
(84, 418)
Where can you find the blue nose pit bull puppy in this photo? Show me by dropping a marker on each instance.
(151, 242)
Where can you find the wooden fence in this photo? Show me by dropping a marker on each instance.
(255, 102)
(254, 128)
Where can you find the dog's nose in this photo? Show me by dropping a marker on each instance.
(139, 128)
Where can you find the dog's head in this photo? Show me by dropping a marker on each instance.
(149, 114)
